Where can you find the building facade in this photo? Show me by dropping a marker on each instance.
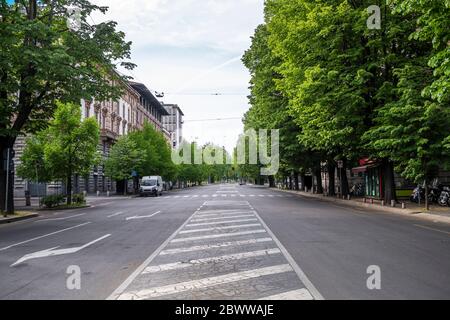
(173, 123)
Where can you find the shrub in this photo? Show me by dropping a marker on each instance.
(53, 200)
(79, 199)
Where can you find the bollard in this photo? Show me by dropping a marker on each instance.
(108, 194)
(403, 205)
(382, 203)
(371, 201)
(349, 197)
(98, 193)
(393, 203)
(365, 200)
(27, 198)
(85, 193)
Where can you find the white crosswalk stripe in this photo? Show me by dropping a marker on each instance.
(240, 226)
(223, 218)
(229, 257)
(204, 283)
(220, 222)
(221, 235)
(200, 247)
(216, 246)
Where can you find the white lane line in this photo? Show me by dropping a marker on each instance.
(237, 226)
(302, 294)
(220, 222)
(215, 236)
(223, 218)
(121, 289)
(308, 284)
(429, 228)
(116, 214)
(143, 217)
(44, 236)
(223, 214)
(61, 219)
(204, 283)
(220, 259)
(215, 246)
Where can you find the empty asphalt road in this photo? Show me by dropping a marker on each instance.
(223, 242)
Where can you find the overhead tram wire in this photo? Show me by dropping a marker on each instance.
(216, 119)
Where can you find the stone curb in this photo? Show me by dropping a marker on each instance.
(16, 219)
(374, 207)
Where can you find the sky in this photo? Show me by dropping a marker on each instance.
(191, 50)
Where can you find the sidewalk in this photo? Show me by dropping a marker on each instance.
(436, 214)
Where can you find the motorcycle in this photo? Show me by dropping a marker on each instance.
(444, 198)
(418, 195)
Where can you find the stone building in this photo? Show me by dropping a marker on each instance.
(115, 118)
(174, 124)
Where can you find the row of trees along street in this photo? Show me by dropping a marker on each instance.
(68, 148)
(338, 90)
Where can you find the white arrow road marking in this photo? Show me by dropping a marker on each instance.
(52, 252)
(143, 217)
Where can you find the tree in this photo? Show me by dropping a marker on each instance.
(412, 127)
(42, 61)
(68, 146)
(156, 153)
(124, 158)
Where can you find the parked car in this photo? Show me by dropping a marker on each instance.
(151, 186)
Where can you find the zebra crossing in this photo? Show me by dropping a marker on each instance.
(225, 195)
(224, 251)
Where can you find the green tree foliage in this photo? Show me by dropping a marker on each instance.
(156, 153)
(352, 91)
(43, 61)
(124, 158)
(68, 147)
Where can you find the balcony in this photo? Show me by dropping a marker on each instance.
(107, 134)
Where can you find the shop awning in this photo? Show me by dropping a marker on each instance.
(363, 169)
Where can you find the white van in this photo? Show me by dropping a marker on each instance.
(151, 186)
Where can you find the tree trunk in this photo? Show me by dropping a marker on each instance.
(3, 176)
(318, 173)
(389, 181)
(271, 182)
(427, 202)
(296, 180)
(332, 179)
(69, 190)
(344, 180)
(303, 181)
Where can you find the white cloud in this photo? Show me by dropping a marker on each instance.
(192, 45)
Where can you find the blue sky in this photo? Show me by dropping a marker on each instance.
(190, 49)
